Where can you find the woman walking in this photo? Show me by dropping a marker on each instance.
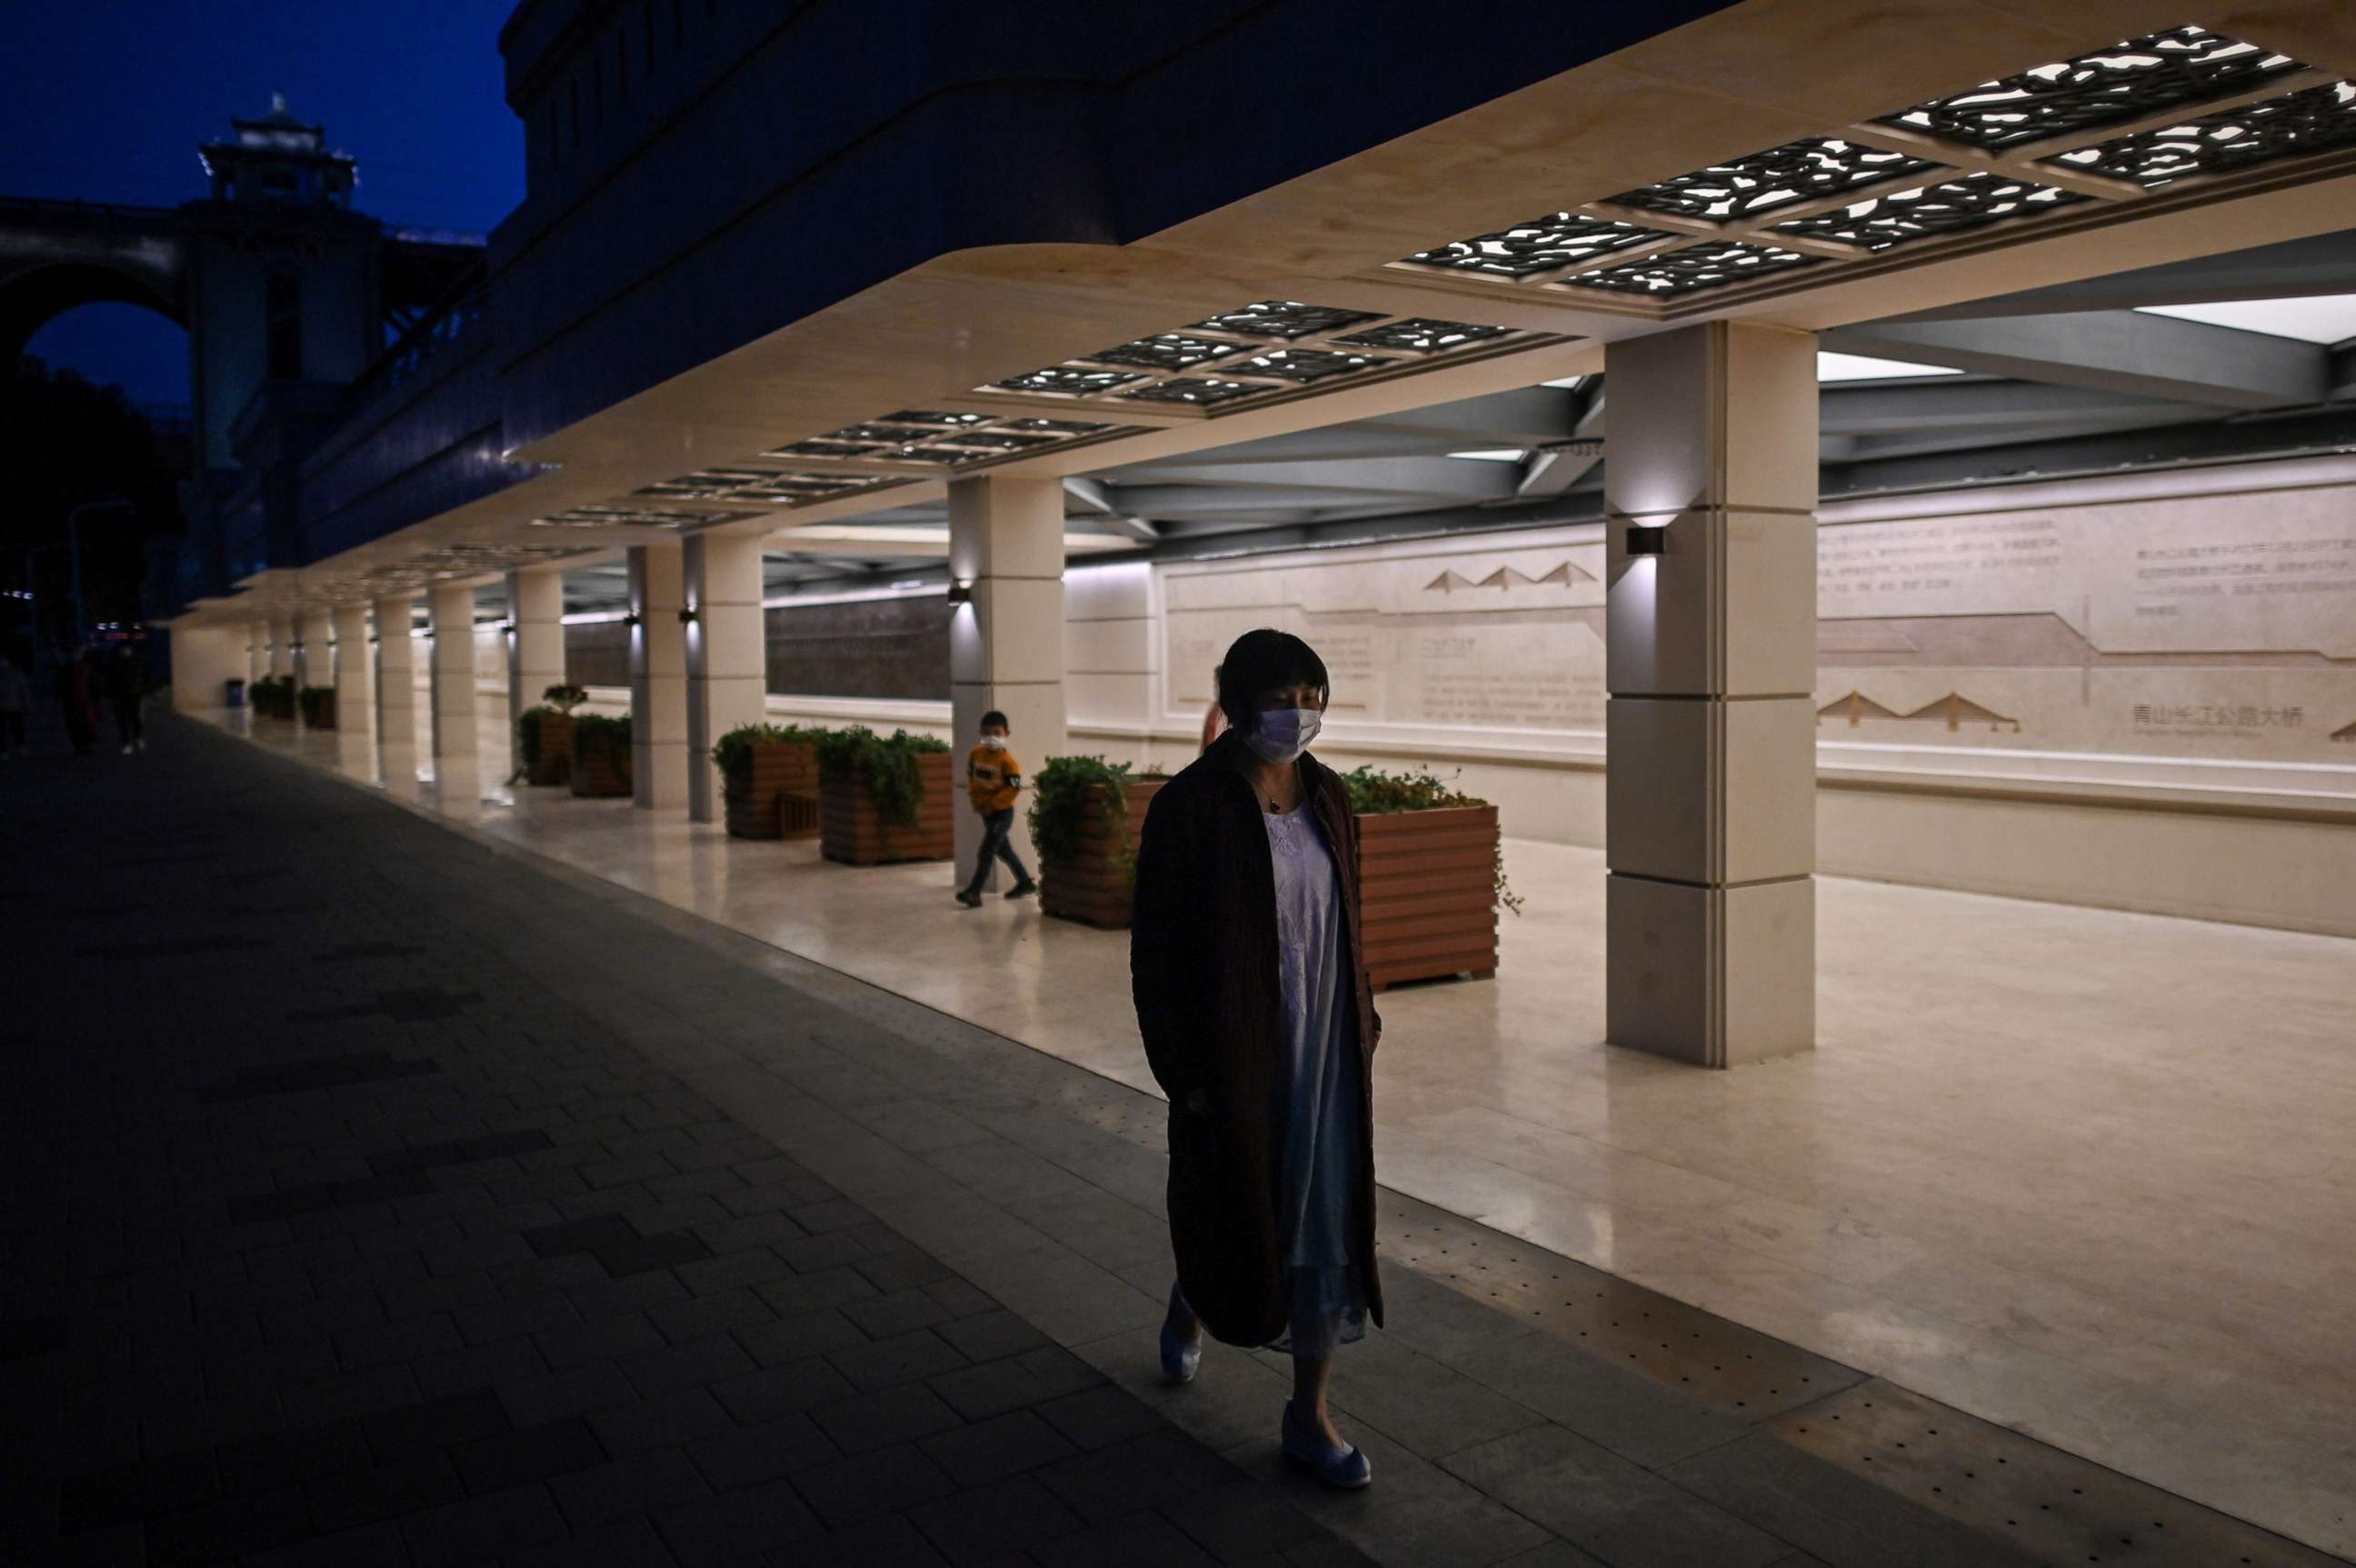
(1260, 1026)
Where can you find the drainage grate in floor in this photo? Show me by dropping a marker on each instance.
(1739, 1370)
(2058, 1509)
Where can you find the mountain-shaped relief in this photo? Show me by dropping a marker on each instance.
(1504, 577)
(2346, 733)
(1854, 706)
(1954, 710)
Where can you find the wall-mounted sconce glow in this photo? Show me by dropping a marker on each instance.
(687, 615)
(374, 640)
(630, 618)
(1651, 539)
(960, 593)
(509, 627)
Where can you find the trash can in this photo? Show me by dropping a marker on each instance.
(234, 693)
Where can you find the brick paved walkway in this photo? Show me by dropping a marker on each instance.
(375, 1193)
(335, 1234)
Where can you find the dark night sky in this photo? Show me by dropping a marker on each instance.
(107, 101)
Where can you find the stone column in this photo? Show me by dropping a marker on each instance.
(657, 678)
(536, 645)
(1006, 643)
(257, 651)
(727, 656)
(451, 613)
(355, 671)
(281, 645)
(313, 631)
(1710, 663)
(396, 693)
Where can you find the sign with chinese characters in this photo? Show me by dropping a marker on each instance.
(2215, 626)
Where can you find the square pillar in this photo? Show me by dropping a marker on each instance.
(355, 671)
(396, 674)
(1006, 643)
(536, 645)
(657, 678)
(257, 651)
(1710, 657)
(451, 612)
(396, 689)
(281, 645)
(727, 656)
(315, 633)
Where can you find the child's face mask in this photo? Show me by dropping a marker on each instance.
(993, 743)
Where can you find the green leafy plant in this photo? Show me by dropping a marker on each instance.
(526, 743)
(1065, 800)
(272, 696)
(734, 752)
(602, 736)
(1375, 793)
(565, 697)
(896, 779)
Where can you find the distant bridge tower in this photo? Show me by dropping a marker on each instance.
(282, 273)
(288, 294)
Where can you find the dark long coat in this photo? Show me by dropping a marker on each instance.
(1203, 965)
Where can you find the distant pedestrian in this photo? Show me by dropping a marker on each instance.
(1259, 1025)
(126, 689)
(992, 780)
(16, 700)
(77, 686)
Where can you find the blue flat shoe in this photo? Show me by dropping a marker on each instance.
(1180, 1357)
(1346, 1467)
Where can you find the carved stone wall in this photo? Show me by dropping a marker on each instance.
(893, 648)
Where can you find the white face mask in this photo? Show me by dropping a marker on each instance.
(1283, 733)
(993, 743)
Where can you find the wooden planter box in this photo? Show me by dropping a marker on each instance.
(849, 830)
(1426, 889)
(778, 768)
(552, 763)
(1094, 887)
(598, 775)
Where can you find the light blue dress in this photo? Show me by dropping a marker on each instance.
(1319, 1074)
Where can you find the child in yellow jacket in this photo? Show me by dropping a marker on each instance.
(992, 779)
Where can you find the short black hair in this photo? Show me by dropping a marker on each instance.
(995, 717)
(1266, 660)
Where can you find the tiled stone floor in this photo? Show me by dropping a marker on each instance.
(2020, 1123)
(333, 1233)
(373, 1194)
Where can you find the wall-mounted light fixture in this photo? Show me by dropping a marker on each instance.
(960, 593)
(509, 627)
(1648, 539)
(687, 615)
(630, 618)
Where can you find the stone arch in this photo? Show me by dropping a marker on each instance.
(31, 296)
